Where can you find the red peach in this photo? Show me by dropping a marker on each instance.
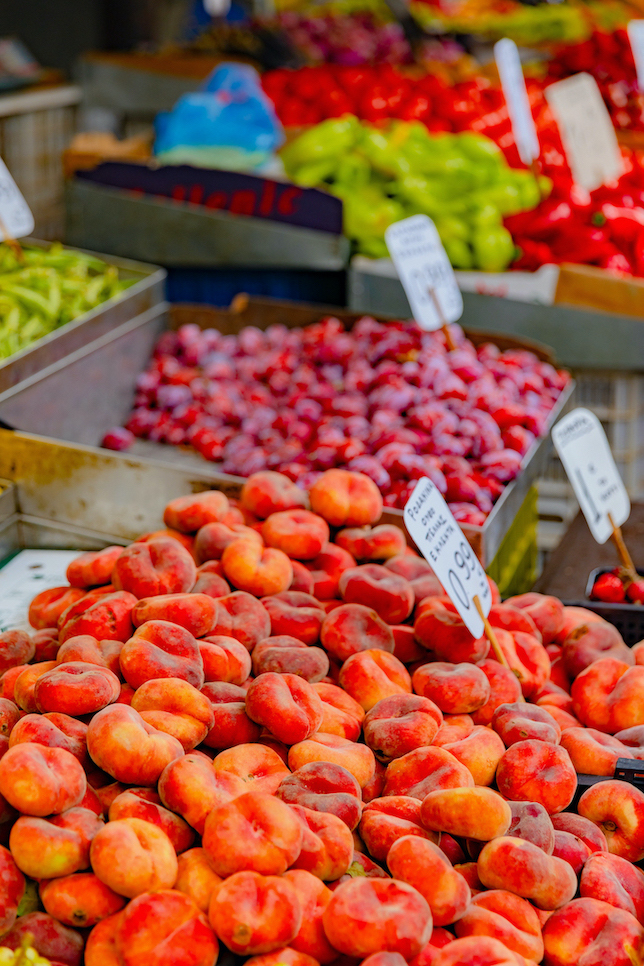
(253, 913)
(424, 866)
(240, 616)
(195, 612)
(79, 900)
(285, 704)
(385, 820)
(583, 828)
(399, 724)
(132, 856)
(256, 570)
(224, 659)
(267, 492)
(455, 688)
(9, 716)
(210, 582)
(53, 730)
(259, 766)
(531, 822)
(371, 585)
(101, 943)
(606, 695)
(76, 688)
(521, 721)
(455, 727)
(326, 570)
(344, 498)
(296, 614)
(356, 758)
(341, 714)
(165, 925)
(425, 770)
(106, 618)
(547, 613)
(287, 655)
(504, 689)
(38, 780)
(196, 878)
(134, 803)
(189, 513)
(302, 579)
(351, 628)
(618, 809)
(213, 538)
(49, 938)
(588, 930)
(571, 849)
(16, 647)
(94, 568)
(525, 870)
(87, 649)
(126, 747)
(478, 951)
(513, 619)
(298, 533)
(232, 725)
(478, 813)
(506, 917)
(539, 772)
(160, 649)
(161, 566)
(324, 787)
(25, 683)
(191, 787)
(371, 675)
(47, 606)
(613, 880)
(370, 544)
(13, 890)
(589, 643)
(527, 658)
(367, 916)
(406, 647)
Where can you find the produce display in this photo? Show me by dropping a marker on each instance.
(45, 288)
(264, 729)
(385, 399)
(461, 181)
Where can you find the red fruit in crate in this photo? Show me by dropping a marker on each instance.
(610, 589)
(635, 591)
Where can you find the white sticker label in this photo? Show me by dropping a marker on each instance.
(442, 543)
(583, 449)
(586, 130)
(636, 37)
(425, 271)
(27, 574)
(16, 219)
(508, 62)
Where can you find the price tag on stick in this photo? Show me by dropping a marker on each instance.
(16, 219)
(586, 130)
(636, 37)
(583, 449)
(441, 541)
(425, 272)
(508, 62)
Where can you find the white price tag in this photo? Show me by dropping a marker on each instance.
(586, 130)
(583, 449)
(442, 543)
(508, 62)
(425, 271)
(636, 37)
(26, 575)
(15, 213)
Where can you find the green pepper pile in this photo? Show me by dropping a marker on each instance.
(44, 289)
(461, 181)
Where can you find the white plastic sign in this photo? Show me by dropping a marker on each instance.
(24, 576)
(508, 62)
(583, 449)
(586, 130)
(425, 271)
(636, 37)
(442, 543)
(16, 218)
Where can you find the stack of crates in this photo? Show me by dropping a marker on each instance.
(617, 399)
(35, 128)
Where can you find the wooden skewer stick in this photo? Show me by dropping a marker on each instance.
(11, 242)
(451, 345)
(622, 550)
(491, 636)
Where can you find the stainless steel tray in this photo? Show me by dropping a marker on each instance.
(146, 292)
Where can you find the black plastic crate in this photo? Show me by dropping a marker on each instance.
(627, 618)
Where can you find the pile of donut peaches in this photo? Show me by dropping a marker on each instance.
(265, 732)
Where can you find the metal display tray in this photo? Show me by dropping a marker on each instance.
(81, 398)
(146, 292)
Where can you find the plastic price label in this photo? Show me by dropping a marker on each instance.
(586, 130)
(16, 219)
(425, 271)
(508, 62)
(636, 37)
(441, 541)
(583, 449)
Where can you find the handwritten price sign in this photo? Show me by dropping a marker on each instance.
(441, 541)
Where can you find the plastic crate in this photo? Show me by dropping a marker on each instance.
(627, 618)
(35, 128)
(514, 567)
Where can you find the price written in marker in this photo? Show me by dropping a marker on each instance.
(425, 272)
(583, 449)
(508, 62)
(432, 527)
(586, 130)
(16, 219)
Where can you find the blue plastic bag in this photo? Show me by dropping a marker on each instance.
(231, 110)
